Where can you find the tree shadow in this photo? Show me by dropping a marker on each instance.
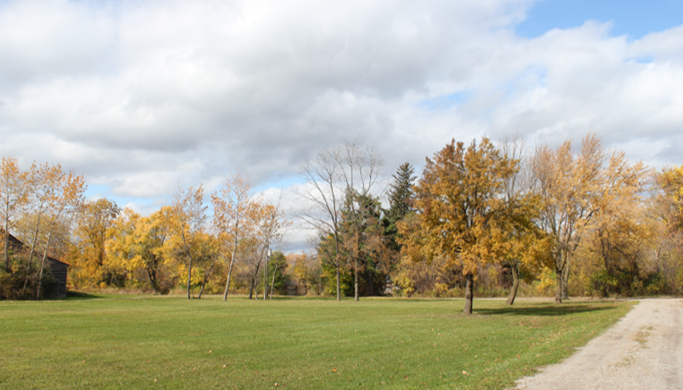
(545, 310)
(77, 295)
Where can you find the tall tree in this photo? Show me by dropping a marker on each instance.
(329, 177)
(270, 234)
(13, 192)
(186, 217)
(460, 207)
(567, 185)
(138, 242)
(41, 190)
(234, 213)
(208, 249)
(526, 247)
(666, 208)
(670, 186)
(95, 218)
(364, 241)
(277, 269)
(67, 195)
(621, 232)
(401, 193)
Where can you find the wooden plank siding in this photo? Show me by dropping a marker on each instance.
(56, 268)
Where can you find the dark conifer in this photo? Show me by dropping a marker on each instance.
(401, 193)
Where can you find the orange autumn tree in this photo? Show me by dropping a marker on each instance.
(461, 208)
(670, 183)
(621, 234)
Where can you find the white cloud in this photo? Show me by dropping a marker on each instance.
(141, 96)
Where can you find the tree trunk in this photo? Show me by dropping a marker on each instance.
(253, 282)
(355, 280)
(189, 264)
(42, 263)
(227, 283)
(558, 289)
(338, 285)
(8, 263)
(272, 285)
(30, 255)
(152, 274)
(189, 278)
(515, 284)
(565, 282)
(232, 262)
(469, 293)
(265, 280)
(370, 280)
(206, 278)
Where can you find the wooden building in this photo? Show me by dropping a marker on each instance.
(293, 288)
(57, 269)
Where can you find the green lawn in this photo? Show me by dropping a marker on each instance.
(173, 343)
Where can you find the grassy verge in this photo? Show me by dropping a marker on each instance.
(173, 343)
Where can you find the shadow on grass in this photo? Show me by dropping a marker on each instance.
(549, 310)
(74, 295)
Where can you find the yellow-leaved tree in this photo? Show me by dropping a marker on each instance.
(66, 197)
(89, 255)
(621, 232)
(667, 209)
(461, 209)
(51, 192)
(13, 194)
(137, 242)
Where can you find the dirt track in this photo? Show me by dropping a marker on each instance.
(644, 350)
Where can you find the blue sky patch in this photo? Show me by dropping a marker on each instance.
(443, 102)
(635, 18)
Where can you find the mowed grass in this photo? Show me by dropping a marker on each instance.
(174, 343)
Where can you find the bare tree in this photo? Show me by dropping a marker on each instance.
(567, 185)
(527, 245)
(345, 169)
(188, 214)
(234, 215)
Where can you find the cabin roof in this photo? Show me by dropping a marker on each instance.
(16, 243)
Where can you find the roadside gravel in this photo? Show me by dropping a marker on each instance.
(644, 350)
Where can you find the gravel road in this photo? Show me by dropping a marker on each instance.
(644, 350)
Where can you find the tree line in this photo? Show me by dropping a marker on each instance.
(578, 220)
(109, 247)
(486, 218)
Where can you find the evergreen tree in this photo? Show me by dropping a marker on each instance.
(364, 243)
(401, 194)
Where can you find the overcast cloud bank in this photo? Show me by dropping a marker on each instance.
(140, 96)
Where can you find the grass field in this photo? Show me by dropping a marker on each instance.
(173, 343)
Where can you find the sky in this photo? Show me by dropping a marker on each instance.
(142, 97)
